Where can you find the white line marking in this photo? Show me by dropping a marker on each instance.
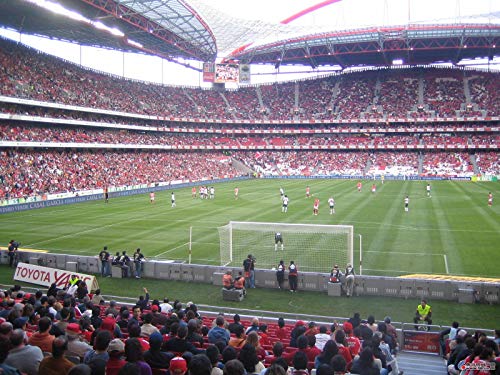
(446, 264)
(398, 253)
(172, 249)
(385, 270)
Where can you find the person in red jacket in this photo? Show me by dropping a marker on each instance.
(352, 341)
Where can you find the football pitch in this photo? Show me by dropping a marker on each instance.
(452, 232)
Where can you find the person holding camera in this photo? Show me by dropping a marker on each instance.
(249, 269)
(12, 252)
(139, 258)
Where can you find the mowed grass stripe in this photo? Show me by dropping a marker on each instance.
(474, 252)
(446, 238)
(389, 211)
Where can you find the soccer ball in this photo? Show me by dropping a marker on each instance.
(273, 269)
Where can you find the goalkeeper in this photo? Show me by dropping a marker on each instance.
(278, 238)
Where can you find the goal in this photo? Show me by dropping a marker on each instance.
(314, 248)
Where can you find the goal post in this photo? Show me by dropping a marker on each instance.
(313, 247)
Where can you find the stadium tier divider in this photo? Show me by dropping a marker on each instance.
(451, 290)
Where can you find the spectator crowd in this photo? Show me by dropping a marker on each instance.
(65, 331)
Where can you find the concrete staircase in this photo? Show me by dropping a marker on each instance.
(420, 364)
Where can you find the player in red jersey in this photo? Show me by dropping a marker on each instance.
(316, 206)
(193, 192)
(359, 185)
(308, 192)
(490, 199)
(374, 188)
(152, 197)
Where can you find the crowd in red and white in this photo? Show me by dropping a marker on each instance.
(447, 164)
(32, 172)
(26, 73)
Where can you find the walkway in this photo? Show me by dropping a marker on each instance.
(418, 364)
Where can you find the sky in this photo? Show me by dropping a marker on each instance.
(340, 15)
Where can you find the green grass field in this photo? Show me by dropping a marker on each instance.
(453, 232)
(455, 222)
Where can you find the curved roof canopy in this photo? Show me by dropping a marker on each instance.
(413, 44)
(167, 28)
(198, 30)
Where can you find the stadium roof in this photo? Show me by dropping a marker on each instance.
(199, 30)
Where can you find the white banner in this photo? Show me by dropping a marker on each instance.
(39, 275)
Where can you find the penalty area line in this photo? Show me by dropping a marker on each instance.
(400, 253)
(391, 271)
(446, 264)
(172, 249)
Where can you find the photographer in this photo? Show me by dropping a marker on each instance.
(12, 248)
(139, 258)
(249, 269)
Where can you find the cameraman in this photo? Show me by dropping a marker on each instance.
(13, 247)
(249, 268)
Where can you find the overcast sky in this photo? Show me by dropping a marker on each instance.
(343, 14)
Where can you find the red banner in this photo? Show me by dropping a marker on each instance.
(425, 342)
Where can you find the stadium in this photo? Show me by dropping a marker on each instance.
(396, 124)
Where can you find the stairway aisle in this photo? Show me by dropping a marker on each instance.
(421, 364)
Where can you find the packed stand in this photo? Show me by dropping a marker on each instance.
(293, 163)
(26, 73)
(393, 163)
(488, 162)
(447, 164)
(316, 98)
(28, 173)
(398, 93)
(484, 89)
(354, 96)
(279, 99)
(68, 329)
(444, 92)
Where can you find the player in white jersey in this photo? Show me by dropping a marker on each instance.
(282, 193)
(152, 197)
(284, 206)
(407, 202)
(212, 192)
(173, 199)
(428, 189)
(331, 203)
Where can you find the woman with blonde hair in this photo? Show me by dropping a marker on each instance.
(254, 339)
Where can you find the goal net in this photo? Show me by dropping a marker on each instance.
(314, 248)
